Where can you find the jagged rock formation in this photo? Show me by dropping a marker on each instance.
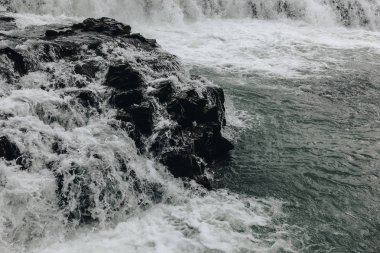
(172, 117)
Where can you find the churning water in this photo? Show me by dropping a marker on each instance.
(303, 84)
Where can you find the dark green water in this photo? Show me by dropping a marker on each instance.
(315, 144)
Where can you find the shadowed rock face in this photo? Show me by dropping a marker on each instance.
(8, 150)
(107, 26)
(137, 82)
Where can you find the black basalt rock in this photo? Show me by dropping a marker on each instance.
(51, 34)
(86, 98)
(9, 151)
(125, 99)
(123, 77)
(142, 117)
(209, 142)
(182, 163)
(88, 69)
(17, 59)
(164, 90)
(172, 117)
(142, 39)
(187, 108)
(104, 25)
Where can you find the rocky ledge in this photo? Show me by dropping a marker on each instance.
(172, 117)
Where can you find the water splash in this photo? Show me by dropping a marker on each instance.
(323, 12)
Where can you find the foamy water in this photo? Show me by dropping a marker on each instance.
(268, 48)
(220, 36)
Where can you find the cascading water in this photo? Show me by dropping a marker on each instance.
(303, 75)
(346, 12)
(71, 164)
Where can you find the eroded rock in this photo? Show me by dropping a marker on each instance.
(104, 25)
(17, 59)
(8, 150)
(123, 77)
(100, 69)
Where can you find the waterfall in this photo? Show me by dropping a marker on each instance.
(345, 12)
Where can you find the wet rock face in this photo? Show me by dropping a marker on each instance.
(11, 57)
(8, 150)
(129, 80)
(104, 25)
(123, 77)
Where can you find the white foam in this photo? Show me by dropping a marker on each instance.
(219, 222)
(267, 48)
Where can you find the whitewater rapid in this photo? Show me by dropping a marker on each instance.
(160, 216)
(303, 40)
(321, 12)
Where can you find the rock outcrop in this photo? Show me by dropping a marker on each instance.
(172, 117)
(8, 150)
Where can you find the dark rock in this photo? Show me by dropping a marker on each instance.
(142, 116)
(164, 90)
(204, 181)
(88, 69)
(88, 98)
(216, 112)
(187, 108)
(7, 19)
(182, 163)
(16, 58)
(139, 37)
(53, 50)
(53, 33)
(124, 100)
(209, 143)
(213, 114)
(127, 124)
(104, 25)
(198, 112)
(123, 77)
(8, 150)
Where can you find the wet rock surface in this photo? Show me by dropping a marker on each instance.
(8, 150)
(101, 67)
